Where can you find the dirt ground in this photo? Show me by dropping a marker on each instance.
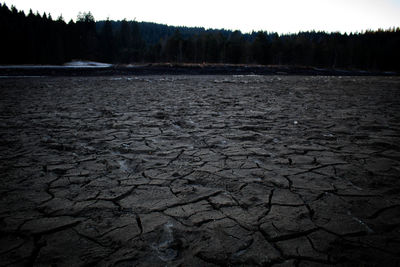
(200, 171)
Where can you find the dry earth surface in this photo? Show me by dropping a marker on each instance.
(200, 171)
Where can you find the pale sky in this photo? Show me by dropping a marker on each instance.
(282, 16)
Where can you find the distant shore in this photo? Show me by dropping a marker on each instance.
(178, 69)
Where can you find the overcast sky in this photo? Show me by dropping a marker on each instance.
(282, 16)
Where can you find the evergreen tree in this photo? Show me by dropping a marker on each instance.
(106, 43)
(260, 47)
(234, 50)
(138, 44)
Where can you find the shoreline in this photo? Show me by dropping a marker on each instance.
(181, 69)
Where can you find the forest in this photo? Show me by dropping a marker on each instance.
(39, 39)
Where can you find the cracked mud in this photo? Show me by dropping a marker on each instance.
(200, 171)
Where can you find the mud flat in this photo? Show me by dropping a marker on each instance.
(200, 171)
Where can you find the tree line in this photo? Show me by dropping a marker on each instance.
(40, 39)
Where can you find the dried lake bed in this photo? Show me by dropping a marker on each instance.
(200, 171)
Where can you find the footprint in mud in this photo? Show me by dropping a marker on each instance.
(167, 247)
